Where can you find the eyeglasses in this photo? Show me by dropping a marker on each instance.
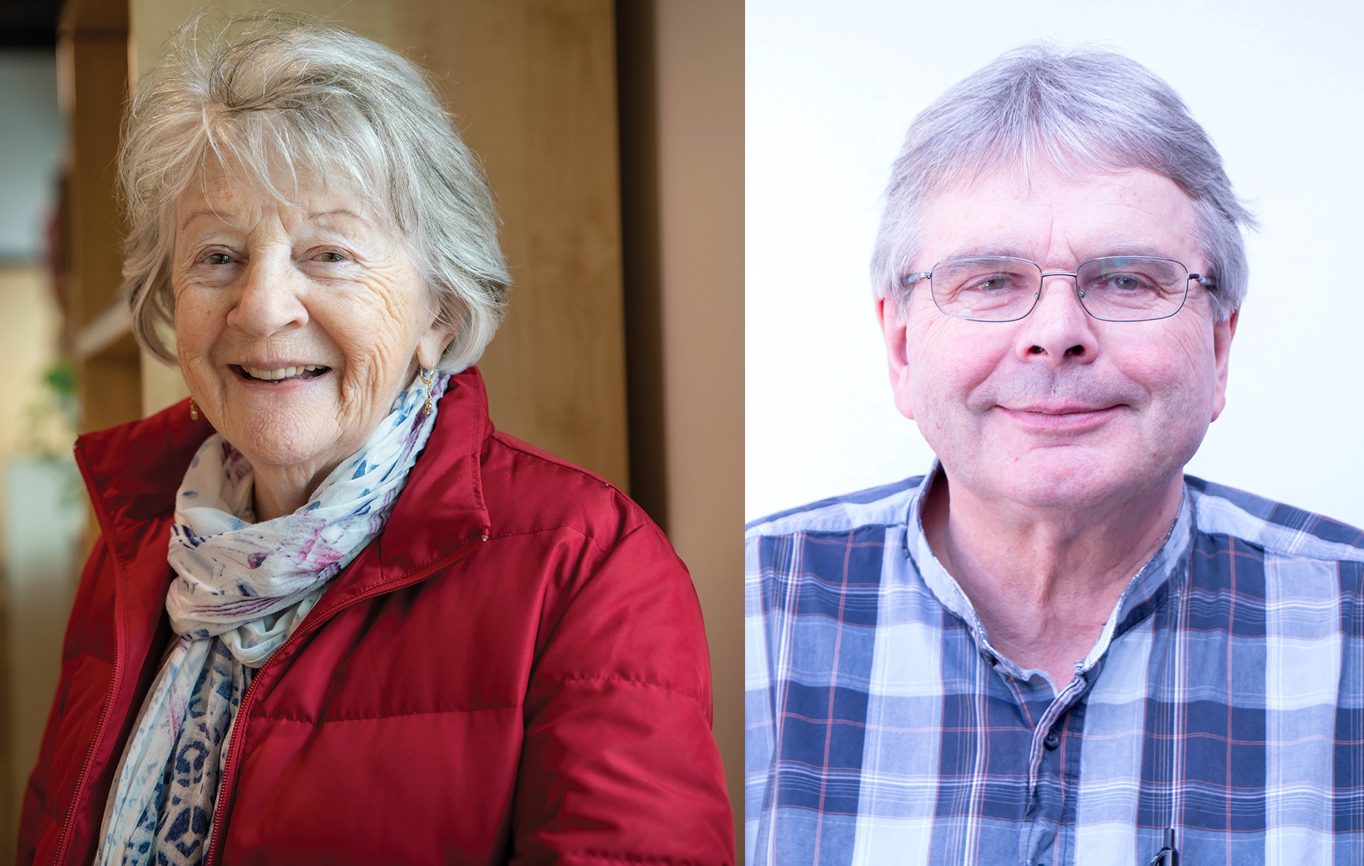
(1006, 289)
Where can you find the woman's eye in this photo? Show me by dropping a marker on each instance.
(216, 259)
(329, 257)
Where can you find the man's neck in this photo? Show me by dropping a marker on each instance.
(1044, 583)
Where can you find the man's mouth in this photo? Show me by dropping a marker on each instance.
(1060, 408)
(275, 375)
(1056, 418)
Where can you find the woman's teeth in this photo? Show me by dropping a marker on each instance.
(280, 373)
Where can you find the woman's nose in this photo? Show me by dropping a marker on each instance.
(269, 297)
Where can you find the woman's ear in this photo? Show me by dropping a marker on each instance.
(432, 345)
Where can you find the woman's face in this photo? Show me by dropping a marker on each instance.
(296, 327)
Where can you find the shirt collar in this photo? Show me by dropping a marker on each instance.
(1163, 573)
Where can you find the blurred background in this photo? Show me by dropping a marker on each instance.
(612, 136)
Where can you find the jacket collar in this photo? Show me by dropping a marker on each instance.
(134, 470)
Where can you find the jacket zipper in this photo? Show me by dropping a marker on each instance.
(305, 629)
(64, 840)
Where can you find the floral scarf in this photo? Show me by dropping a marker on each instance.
(240, 589)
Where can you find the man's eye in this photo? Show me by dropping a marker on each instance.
(1128, 283)
(994, 283)
(329, 257)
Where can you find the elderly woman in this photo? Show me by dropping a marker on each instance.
(334, 617)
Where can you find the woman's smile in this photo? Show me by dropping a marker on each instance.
(278, 375)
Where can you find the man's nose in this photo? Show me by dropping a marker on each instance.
(269, 297)
(1058, 330)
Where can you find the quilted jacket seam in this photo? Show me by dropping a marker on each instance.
(646, 682)
(564, 527)
(630, 857)
(285, 717)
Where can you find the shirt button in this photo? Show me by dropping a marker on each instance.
(1051, 740)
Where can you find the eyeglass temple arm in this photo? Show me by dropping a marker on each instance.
(907, 280)
(1205, 282)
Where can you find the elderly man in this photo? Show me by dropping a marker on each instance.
(1055, 648)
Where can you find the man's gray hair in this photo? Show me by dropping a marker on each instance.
(286, 102)
(1074, 111)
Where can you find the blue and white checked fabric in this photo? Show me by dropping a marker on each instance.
(1224, 698)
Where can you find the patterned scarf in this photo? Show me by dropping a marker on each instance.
(240, 590)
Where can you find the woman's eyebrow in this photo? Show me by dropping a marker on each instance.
(324, 214)
(199, 214)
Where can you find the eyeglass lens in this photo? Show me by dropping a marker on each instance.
(1117, 288)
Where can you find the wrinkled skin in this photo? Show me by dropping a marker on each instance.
(267, 285)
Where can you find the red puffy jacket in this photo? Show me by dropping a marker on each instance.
(514, 670)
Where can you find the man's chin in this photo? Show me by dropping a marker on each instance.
(1070, 479)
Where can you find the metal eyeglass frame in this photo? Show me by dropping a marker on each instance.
(908, 280)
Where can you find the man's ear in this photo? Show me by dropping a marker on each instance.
(1222, 332)
(891, 316)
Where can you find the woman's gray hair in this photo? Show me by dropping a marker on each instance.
(284, 101)
(1073, 111)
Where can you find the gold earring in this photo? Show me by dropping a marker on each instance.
(428, 379)
(193, 410)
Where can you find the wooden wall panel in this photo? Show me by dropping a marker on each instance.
(93, 65)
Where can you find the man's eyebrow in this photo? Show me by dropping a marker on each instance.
(1119, 248)
(980, 252)
(1109, 248)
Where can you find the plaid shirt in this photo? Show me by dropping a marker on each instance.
(1223, 699)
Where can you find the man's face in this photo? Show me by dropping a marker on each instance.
(1060, 410)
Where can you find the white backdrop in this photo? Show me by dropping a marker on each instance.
(831, 89)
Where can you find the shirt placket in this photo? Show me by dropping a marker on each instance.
(1053, 761)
